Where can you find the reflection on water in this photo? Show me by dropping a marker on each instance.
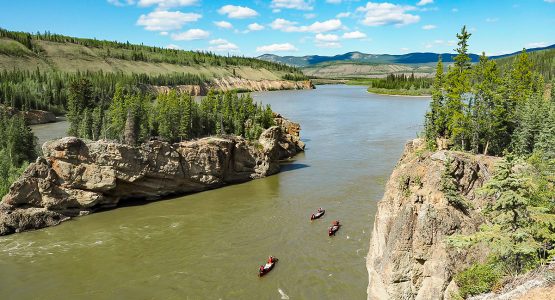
(209, 245)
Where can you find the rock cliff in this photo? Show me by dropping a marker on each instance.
(238, 84)
(408, 256)
(76, 177)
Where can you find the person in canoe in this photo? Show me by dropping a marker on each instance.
(267, 267)
(320, 212)
(333, 228)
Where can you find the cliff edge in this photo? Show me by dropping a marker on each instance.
(408, 256)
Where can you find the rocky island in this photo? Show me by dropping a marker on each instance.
(76, 177)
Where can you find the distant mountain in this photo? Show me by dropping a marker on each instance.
(363, 58)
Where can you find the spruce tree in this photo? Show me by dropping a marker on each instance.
(457, 86)
(435, 124)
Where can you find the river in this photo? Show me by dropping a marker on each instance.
(209, 245)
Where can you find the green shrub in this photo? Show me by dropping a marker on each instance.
(478, 279)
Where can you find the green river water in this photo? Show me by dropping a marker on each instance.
(209, 245)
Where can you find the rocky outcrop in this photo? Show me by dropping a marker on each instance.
(33, 117)
(238, 84)
(76, 177)
(408, 256)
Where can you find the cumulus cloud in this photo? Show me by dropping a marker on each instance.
(237, 12)
(333, 1)
(173, 46)
(378, 14)
(327, 37)
(191, 34)
(354, 35)
(343, 15)
(292, 4)
(255, 27)
(424, 2)
(221, 45)
(493, 20)
(316, 27)
(223, 24)
(166, 20)
(276, 48)
(429, 27)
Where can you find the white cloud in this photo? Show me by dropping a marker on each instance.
(455, 10)
(316, 27)
(327, 37)
(404, 49)
(191, 34)
(550, 1)
(173, 46)
(424, 2)
(377, 14)
(292, 4)
(429, 27)
(309, 16)
(354, 35)
(343, 15)
(122, 2)
(164, 33)
(276, 48)
(537, 44)
(328, 45)
(333, 1)
(164, 4)
(223, 24)
(255, 27)
(492, 20)
(166, 20)
(221, 45)
(237, 12)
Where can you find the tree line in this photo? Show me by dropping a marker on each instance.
(401, 81)
(134, 116)
(49, 90)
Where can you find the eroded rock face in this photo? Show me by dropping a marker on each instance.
(409, 257)
(238, 84)
(76, 177)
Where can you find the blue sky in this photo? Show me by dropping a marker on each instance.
(294, 27)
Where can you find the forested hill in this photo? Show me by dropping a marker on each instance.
(364, 58)
(49, 52)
